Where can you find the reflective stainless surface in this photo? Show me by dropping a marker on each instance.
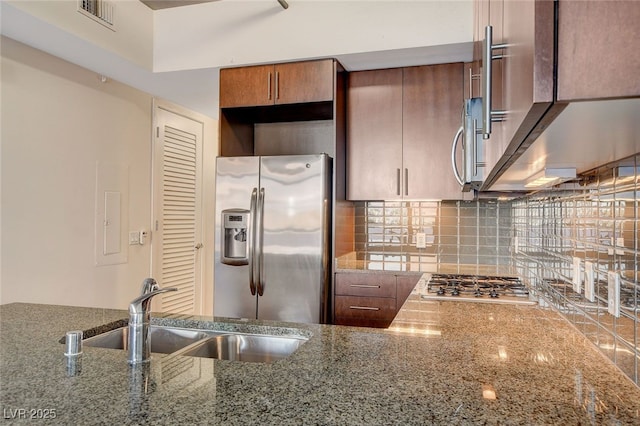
(164, 340)
(236, 178)
(474, 288)
(245, 347)
(206, 343)
(73, 343)
(139, 319)
(290, 233)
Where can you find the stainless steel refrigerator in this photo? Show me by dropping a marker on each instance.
(273, 237)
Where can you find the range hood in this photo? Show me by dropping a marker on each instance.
(585, 135)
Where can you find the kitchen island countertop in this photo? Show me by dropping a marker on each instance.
(439, 363)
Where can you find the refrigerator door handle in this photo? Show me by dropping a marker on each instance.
(260, 243)
(252, 240)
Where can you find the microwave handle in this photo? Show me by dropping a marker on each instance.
(454, 145)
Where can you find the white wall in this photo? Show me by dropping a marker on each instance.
(58, 120)
(133, 24)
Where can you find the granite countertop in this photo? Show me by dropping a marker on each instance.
(438, 363)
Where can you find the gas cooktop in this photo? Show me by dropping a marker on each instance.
(476, 288)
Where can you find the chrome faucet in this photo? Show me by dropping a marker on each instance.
(139, 317)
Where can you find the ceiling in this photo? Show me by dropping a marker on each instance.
(196, 88)
(166, 4)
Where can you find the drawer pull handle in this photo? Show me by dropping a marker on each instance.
(365, 286)
(364, 308)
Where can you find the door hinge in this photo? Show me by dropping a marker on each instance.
(157, 131)
(156, 225)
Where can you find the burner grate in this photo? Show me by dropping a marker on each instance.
(485, 288)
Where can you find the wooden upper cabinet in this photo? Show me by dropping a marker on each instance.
(522, 81)
(289, 83)
(301, 82)
(246, 86)
(598, 45)
(432, 111)
(401, 124)
(374, 135)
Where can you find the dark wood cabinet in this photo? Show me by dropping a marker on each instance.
(432, 108)
(557, 52)
(374, 135)
(288, 83)
(400, 126)
(369, 299)
(404, 286)
(301, 82)
(522, 81)
(301, 94)
(365, 311)
(598, 45)
(246, 86)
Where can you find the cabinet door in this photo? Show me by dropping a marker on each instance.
(405, 285)
(366, 284)
(246, 86)
(598, 49)
(374, 135)
(527, 78)
(365, 311)
(301, 82)
(432, 107)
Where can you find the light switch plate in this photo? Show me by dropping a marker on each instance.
(134, 238)
(421, 240)
(589, 289)
(516, 246)
(613, 279)
(577, 276)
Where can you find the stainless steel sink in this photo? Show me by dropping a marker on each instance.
(245, 347)
(164, 340)
(206, 343)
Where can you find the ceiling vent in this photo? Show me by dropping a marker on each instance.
(101, 11)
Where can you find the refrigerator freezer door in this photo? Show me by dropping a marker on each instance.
(295, 246)
(236, 178)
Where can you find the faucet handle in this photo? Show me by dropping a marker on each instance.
(149, 285)
(141, 304)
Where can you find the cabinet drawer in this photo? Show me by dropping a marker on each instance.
(380, 308)
(368, 285)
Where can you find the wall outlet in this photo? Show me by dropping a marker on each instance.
(613, 284)
(577, 276)
(589, 282)
(421, 240)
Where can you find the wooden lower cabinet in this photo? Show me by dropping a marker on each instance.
(365, 311)
(370, 299)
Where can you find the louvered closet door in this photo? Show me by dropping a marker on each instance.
(178, 235)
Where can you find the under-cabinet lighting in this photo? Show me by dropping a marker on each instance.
(548, 177)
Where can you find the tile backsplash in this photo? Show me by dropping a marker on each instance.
(597, 221)
(457, 232)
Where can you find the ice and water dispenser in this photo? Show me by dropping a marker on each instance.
(234, 237)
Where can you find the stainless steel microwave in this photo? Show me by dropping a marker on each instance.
(473, 164)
